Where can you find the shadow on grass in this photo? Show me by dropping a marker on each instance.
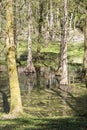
(77, 103)
(44, 124)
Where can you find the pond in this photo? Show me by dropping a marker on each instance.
(40, 94)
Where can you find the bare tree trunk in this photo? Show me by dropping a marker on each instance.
(47, 25)
(15, 22)
(30, 67)
(47, 17)
(40, 25)
(62, 71)
(85, 50)
(15, 103)
(51, 21)
(15, 25)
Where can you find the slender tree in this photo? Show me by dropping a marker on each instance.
(62, 71)
(30, 67)
(40, 24)
(85, 48)
(15, 102)
(51, 20)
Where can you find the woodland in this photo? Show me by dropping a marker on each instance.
(43, 64)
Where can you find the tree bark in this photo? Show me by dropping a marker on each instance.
(51, 20)
(15, 101)
(62, 71)
(40, 24)
(30, 67)
(47, 36)
(85, 50)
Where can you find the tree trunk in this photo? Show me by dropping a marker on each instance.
(15, 102)
(62, 71)
(15, 25)
(85, 50)
(30, 67)
(40, 25)
(15, 22)
(51, 21)
(47, 25)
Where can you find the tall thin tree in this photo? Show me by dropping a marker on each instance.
(62, 71)
(85, 48)
(51, 20)
(15, 102)
(30, 67)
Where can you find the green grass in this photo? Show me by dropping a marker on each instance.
(52, 47)
(75, 52)
(51, 51)
(49, 54)
(59, 123)
(22, 48)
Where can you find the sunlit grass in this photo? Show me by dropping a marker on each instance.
(75, 51)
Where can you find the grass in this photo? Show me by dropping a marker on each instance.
(59, 123)
(49, 53)
(75, 51)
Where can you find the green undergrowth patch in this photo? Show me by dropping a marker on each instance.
(49, 53)
(52, 47)
(75, 52)
(64, 123)
(22, 48)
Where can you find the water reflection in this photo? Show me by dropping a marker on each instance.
(37, 93)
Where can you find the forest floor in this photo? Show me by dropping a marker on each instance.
(60, 123)
(49, 58)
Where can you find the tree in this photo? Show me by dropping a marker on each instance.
(85, 48)
(30, 67)
(62, 69)
(51, 20)
(40, 23)
(15, 101)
